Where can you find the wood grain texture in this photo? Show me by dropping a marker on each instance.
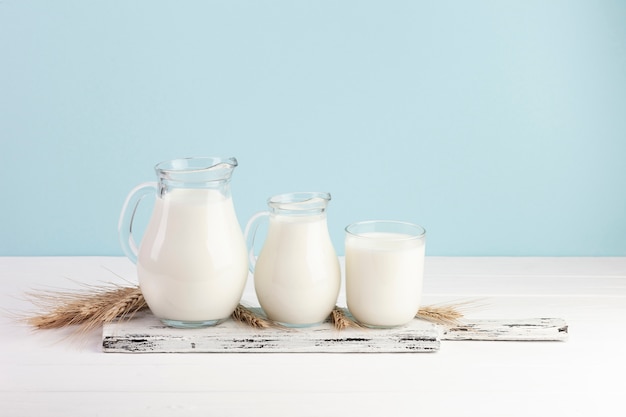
(146, 334)
(534, 329)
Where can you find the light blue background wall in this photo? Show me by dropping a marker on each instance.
(500, 126)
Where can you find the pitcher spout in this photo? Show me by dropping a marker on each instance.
(196, 172)
(299, 203)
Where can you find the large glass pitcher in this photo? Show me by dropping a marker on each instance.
(297, 275)
(192, 262)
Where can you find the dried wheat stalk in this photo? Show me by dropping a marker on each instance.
(447, 315)
(96, 306)
(340, 320)
(88, 309)
(248, 317)
(444, 314)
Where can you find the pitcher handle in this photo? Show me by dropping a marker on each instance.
(250, 234)
(125, 224)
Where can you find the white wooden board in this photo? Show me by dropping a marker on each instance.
(535, 329)
(146, 334)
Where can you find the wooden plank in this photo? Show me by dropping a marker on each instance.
(146, 334)
(535, 329)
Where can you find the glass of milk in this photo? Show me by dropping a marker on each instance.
(384, 271)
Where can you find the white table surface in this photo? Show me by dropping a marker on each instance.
(42, 373)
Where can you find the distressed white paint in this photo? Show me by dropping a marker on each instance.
(537, 329)
(146, 334)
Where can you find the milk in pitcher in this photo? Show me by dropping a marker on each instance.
(297, 275)
(192, 264)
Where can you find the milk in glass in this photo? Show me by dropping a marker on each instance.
(384, 274)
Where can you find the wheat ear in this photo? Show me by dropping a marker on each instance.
(246, 316)
(88, 309)
(440, 315)
(446, 314)
(96, 306)
(443, 314)
(340, 319)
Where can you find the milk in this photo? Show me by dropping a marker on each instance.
(384, 273)
(192, 263)
(297, 274)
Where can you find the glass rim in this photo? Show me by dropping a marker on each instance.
(194, 164)
(300, 203)
(298, 197)
(418, 231)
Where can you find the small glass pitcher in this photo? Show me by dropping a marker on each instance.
(192, 262)
(297, 275)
